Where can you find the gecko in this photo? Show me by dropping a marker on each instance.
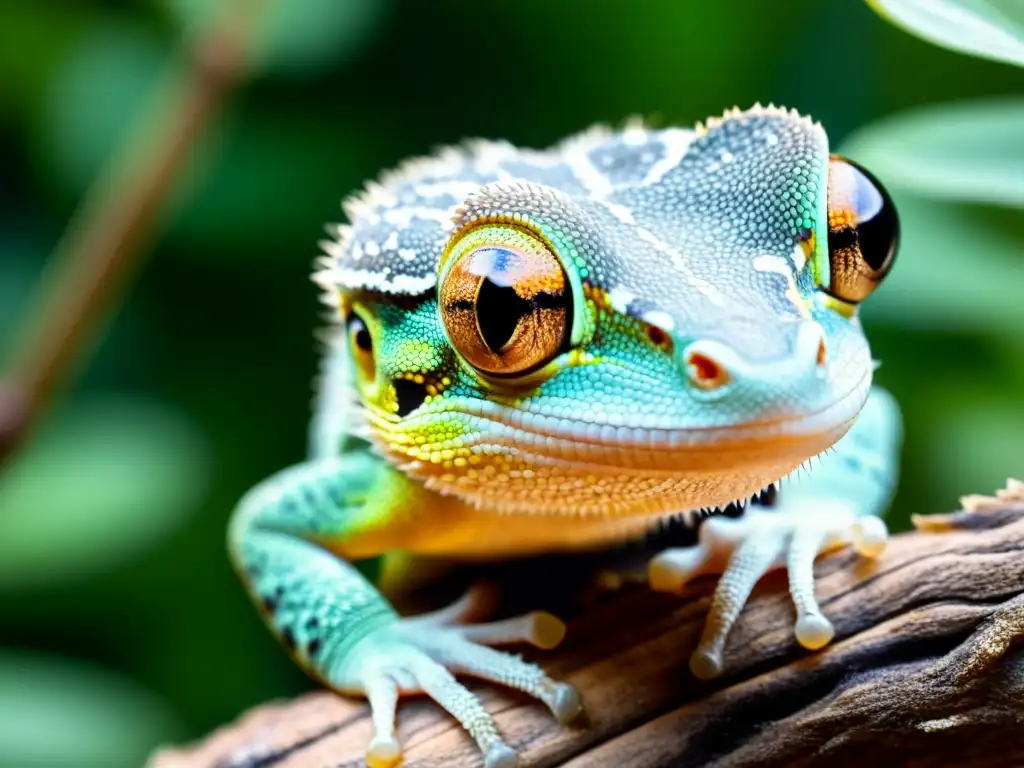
(544, 351)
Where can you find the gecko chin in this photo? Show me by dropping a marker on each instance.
(521, 462)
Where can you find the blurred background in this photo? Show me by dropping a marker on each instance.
(121, 622)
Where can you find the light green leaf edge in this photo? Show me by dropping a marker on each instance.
(57, 712)
(988, 29)
(101, 482)
(967, 152)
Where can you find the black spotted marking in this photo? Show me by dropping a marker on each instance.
(409, 395)
(273, 600)
(313, 647)
(312, 623)
(288, 638)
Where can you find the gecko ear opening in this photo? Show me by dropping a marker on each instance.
(863, 231)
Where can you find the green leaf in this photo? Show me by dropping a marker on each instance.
(991, 29)
(96, 97)
(33, 42)
(97, 486)
(16, 279)
(971, 152)
(267, 183)
(953, 273)
(55, 712)
(307, 35)
(978, 443)
(297, 37)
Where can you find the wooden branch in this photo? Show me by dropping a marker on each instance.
(927, 669)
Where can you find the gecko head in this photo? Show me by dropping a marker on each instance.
(678, 342)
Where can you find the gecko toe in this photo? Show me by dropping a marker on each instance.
(383, 752)
(501, 756)
(706, 663)
(565, 703)
(547, 631)
(672, 569)
(870, 535)
(814, 631)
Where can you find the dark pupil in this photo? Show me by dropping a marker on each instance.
(360, 333)
(877, 226)
(498, 307)
(498, 312)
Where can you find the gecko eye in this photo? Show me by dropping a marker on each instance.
(361, 344)
(863, 231)
(505, 301)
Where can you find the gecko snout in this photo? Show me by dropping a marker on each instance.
(712, 365)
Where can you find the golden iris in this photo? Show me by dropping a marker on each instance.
(863, 231)
(505, 300)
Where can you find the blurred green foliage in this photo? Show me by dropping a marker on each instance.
(112, 565)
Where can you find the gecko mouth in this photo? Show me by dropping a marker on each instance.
(493, 428)
(489, 424)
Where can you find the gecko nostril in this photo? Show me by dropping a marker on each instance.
(822, 354)
(704, 372)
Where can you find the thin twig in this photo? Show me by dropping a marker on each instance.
(94, 261)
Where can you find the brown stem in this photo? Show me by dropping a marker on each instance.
(92, 264)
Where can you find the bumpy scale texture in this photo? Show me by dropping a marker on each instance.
(698, 364)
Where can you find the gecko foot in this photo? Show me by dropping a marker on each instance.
(744, 549)
(424, 653)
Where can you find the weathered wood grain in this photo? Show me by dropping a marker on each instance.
(927, 669)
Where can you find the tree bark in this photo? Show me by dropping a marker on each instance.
(927, 669)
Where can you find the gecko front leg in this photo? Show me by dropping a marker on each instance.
(339, 628)
(838, 500)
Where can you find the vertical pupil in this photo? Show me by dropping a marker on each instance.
(360, 333)
(498, 312)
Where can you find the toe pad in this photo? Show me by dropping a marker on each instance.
(566, 704)
(814, 631)
(501, 756)
(705, 664)
(547, 631)
(383, 753)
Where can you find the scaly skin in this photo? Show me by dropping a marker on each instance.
(554, 350)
